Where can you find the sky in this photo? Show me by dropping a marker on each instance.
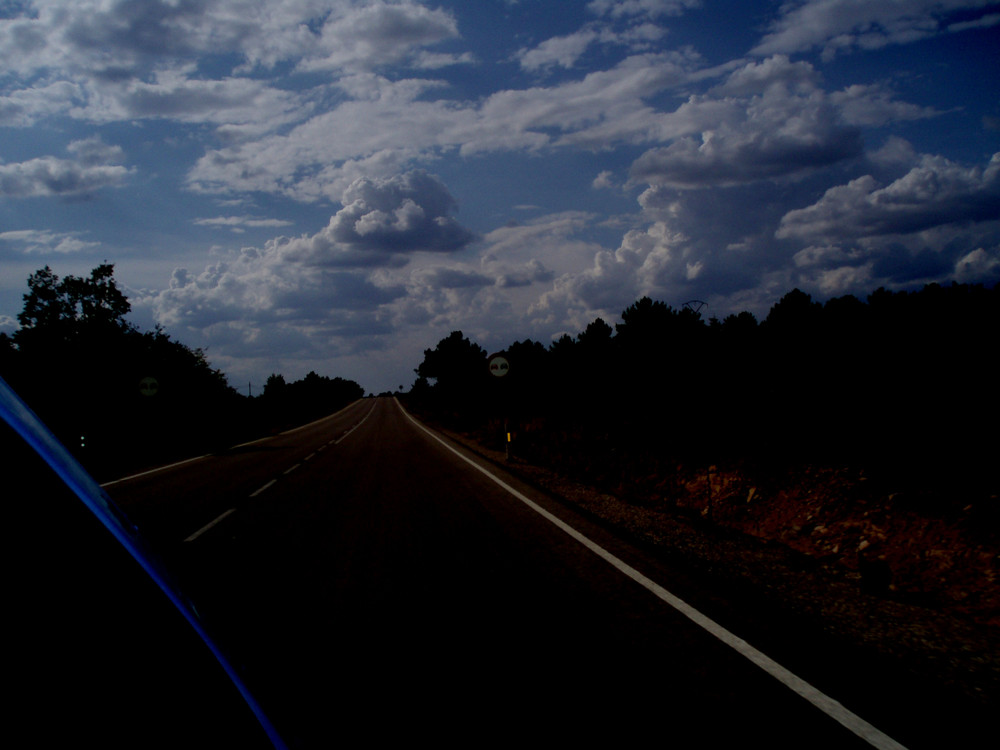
(336, 185)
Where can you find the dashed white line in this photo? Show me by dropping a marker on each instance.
(261, 489)
(206, 527)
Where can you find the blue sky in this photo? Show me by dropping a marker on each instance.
(335, 186)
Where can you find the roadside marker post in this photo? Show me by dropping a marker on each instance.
(499, 367)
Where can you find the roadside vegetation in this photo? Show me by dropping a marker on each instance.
(860, 432)
(121, 398)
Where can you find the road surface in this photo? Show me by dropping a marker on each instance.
(374, 585)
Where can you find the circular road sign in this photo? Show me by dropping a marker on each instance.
(499, 366)
(148, 386)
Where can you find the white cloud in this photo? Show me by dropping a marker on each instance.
(983, 22)
(258, 301)
(935, 192)
(434, 60)
(394, 121)
(338, 101)
(325, 292)
(404, 213)
(981, 266)
(94, 168)
(777, 70)
(845, 25)
(110, 60)
(24, 107)
(895, 152)
(770, 136)
(45, 242)
(563, 51)
(372, 35)
(604, 107)
(112, 38)
(651, 8)
(239, 224)
(556, 237)
(872, 106)
(174, 94)
(936, 222)
(604, 180)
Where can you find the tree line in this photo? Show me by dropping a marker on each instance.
(120, 397)
(285, 404)
(901, 381)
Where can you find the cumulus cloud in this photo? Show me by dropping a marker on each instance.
(377, 34)
(172, 93)
(774, 135)
(24, 107)
(396, 121)
(938, 221)
(767, 119)
(108, 60)
(605, 106)
(330, 283)
(382, 218)
(94, 168)
(336, 102)
(981, 266)
(556, 237)
(933, 193)
(604, 180)
(452, 278)
(114, 38)
(257, 302)
(381, 124)
(756, 77)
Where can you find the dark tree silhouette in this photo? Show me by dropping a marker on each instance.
(901, 383)
(455, 364)
(59, 310)
(81, 365)
(458, 368)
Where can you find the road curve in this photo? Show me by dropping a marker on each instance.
(370, 580)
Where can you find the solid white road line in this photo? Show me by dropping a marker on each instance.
(832, 708)
(153, 471)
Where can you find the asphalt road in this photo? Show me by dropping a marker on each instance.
(373, 586)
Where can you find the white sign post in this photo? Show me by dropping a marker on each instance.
(499, 367)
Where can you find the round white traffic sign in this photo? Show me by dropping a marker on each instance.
(499, 366)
